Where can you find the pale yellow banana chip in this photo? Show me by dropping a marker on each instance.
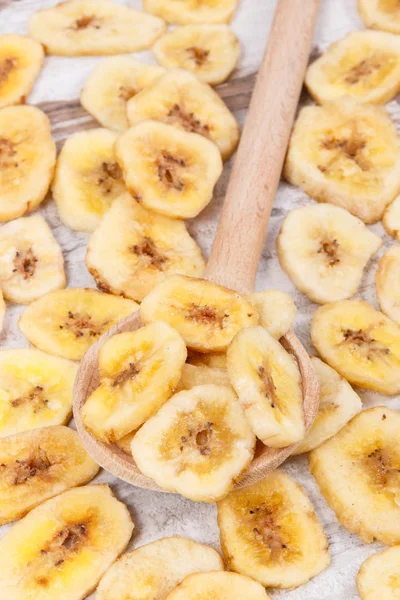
(139, 371)
(211, 52)
(324, 250)
(67, 322)
(378, 577)
(35, 390)
(111, 84)
(183, 12)
(387, 280)
(338, 403)
(269, 531)
(21, 59)
(152, 571)
(348, 154)
(193, 375)
(143, 249)
(198, 444)
(276, 311)
(360, 343)
(125, 442)
(207, 315)
(391, 219)
(2, 310)
(31, 260)
(380, 14)
(218, 586)
(169, 171)
(178, 98)
(364, 65)
(61, 549)
(27, 160)
(88, 178)
(37, 465)
(90, 27)
(358, 473)
(267, 380)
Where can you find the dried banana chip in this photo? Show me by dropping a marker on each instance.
(182, 12)
(378, 578)
(218, 586)
(380, 14)
(391, 219)
(21, 59)
(387, 280)
(276, 311)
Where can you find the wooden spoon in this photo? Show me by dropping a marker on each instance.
(242, 227)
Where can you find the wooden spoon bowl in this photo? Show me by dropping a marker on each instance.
(241, 230)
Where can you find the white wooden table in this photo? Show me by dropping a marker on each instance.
(57, 90)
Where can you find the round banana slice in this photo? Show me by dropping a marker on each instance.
(207, 315)
(111, 84)
(218, 586)
(170, 171)
(378, 578)
(183, 12)
(198, 444)
(21, 59)
(211, 52)
(380, 14)
(358, 472)
(2, 311)
(88, 179)
(360, 343)
(348, 154)
(178, 98)
(35, 390)
(27, 160)
(193, 375)
(276, 311)
(364, 65)
(391, 219)
(67, 322)
(270, 532)
(31, 260)
(152, 571)
(324, 250)
(143, 250)
(338, 403)
(139, 371)
(37, 465)
(73, 539)
(268, 382)
(90, 27)
(387, 280)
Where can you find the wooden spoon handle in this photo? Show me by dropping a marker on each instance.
(255, 176)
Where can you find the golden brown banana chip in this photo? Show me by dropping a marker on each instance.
(21, 59)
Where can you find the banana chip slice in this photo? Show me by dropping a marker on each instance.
(214, 360)
(338, 403)
(346, 154)
(388, 283)
(183, 12)
(90, 27)
(276, 311)
(218, 586)
(170, 171)
(139, 371)
(364, 65)
(268, 383)
(67, 322)
(88, 178)
(207, 315)
(27, 160)
(211, 52)
(198, 444)
(378, 578)
(31, 260)
(35, 390)
(391, 219)
(269, 531)
(193, 375)
(21, 59)
(358, 473)
(37, 465)
(324, 250)
(153, 570)
(61, 549)
(144, 248)
(2, 311)
(360, 343)
(178, 98)
(111, 84)
(380, 14)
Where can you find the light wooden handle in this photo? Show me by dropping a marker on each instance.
(255, 176)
